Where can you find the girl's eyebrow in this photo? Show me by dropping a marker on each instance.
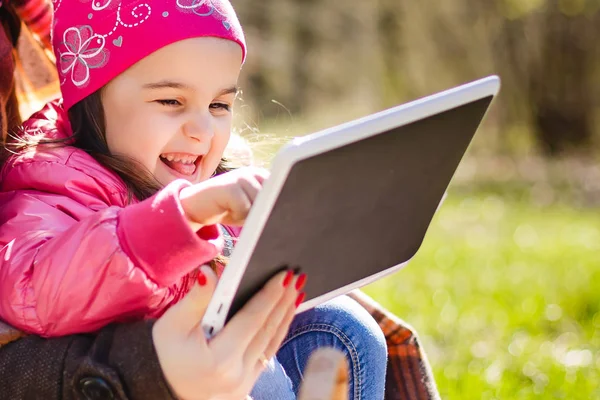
(178, 85)
(166, 84)
(232, 89)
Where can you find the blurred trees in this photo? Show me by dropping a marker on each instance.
(347, 58)
(561, 87)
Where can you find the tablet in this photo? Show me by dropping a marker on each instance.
(352, 203)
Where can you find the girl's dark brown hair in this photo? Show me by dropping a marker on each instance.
(10, 24)
(89, 127)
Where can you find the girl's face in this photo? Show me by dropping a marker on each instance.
(171, 111)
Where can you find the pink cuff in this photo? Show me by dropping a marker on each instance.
(155, 235)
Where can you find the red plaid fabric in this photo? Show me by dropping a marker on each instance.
(409, 375)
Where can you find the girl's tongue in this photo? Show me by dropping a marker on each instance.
(184, 168)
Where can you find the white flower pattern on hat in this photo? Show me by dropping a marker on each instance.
(81, 47)
(141, 13)
(196, 6)
(98, 6)
(83, 50)
(56, 4)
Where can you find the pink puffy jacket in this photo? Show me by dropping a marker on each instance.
(75, 256)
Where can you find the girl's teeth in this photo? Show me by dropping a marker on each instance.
(183, 160)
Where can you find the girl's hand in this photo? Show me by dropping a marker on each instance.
(225, 199)
(227, 366)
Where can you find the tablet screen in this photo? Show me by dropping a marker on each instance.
(355, 211)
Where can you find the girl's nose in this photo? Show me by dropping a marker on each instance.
(199, 128)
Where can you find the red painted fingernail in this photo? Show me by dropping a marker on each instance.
(300, 299)
(288, 278)
(201, 278)
(301, 282)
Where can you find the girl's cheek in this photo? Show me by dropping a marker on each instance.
(220, 141)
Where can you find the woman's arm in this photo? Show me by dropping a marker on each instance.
(120, 360)
(135, 361)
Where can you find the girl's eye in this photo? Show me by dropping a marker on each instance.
(169, 102)
(220, 106)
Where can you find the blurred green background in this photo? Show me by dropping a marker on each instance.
(505, 292)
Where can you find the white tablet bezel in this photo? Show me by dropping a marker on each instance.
(310, 146)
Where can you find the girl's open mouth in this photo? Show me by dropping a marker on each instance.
(184, 164)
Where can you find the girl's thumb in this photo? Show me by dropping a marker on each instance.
(185, 316)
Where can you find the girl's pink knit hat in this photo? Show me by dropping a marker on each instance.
(96, 40)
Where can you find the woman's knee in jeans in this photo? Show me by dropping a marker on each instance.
(343, 324)
(360, 327)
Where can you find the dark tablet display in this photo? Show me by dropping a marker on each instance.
(360, 209)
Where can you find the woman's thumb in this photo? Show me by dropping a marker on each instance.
(185, 316)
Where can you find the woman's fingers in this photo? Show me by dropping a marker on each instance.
(250, 320)
(283, 329)
(284, 326)
(273, 347)
(271, 328)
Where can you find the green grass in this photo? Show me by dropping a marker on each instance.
(505, 296)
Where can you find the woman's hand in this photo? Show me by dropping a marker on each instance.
(227, 366)
(225, 199)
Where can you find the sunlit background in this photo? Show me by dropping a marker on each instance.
(505, 292)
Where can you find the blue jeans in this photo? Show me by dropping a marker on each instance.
(340, 323)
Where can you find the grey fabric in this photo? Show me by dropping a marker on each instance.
(228, 239)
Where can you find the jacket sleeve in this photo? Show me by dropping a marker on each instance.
(119, 360)
(59, 275)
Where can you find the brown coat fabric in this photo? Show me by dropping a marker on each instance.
(121, 363)
(118, 363)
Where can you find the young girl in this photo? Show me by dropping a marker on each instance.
(108, 207)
